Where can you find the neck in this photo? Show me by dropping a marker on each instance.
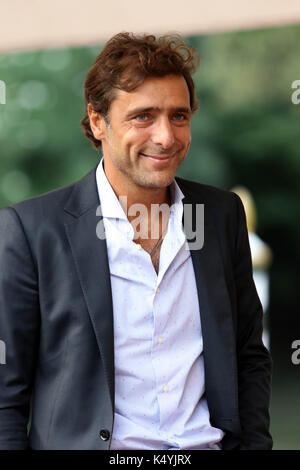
(135, 194)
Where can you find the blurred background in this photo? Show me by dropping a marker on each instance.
(246, 133)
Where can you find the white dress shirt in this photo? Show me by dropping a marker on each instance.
(159, 366)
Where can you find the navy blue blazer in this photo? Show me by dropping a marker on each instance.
(56, 320)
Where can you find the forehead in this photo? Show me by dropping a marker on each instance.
(164, 92)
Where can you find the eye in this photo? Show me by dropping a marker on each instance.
(142, 117)
(179, 117)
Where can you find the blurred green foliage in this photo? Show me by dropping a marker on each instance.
(246, 132)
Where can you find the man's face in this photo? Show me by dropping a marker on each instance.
(148, 135)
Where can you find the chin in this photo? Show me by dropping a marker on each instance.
(157, 183)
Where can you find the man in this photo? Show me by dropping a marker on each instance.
(127, 335)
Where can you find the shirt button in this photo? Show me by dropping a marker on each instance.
(138, 246)
(166, 388)
(104, 434)
(160, 340)
(158, 290)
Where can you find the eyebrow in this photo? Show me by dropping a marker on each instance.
(179, 109)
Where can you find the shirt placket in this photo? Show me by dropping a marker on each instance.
(162, 333)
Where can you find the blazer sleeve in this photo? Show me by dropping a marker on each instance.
(19, 330)
(254, 360)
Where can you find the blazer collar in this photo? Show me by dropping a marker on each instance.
(84, 195)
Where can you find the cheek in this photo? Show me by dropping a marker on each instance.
(136, 138)
(183, 136)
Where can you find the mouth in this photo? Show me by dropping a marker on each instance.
(160, 159)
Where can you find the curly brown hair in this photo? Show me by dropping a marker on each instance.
(126, 61)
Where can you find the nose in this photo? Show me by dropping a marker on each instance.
(162, 133)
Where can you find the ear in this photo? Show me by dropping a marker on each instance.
(97, 123)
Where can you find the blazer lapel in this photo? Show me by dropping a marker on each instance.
(91, 261)
(216, 321)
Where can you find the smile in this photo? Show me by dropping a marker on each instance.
(160, 159)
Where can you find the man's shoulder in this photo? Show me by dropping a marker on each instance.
(204, 193)
(51, 202)
(221, 206)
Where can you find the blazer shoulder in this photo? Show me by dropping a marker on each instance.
(223, 208)
(50, 203)
(206, 193)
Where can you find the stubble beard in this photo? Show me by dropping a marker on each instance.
(146, 179)
(157, 180)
